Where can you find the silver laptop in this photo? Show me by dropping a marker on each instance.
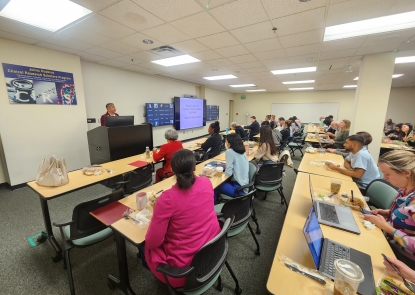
(334, 215)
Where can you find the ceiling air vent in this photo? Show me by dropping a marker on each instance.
(166, 51)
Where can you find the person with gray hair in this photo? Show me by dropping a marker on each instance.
(111, 111)
(238, 130)
(166, 152)
(331, 132)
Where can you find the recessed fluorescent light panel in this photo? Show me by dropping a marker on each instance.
(349, 86)
(298, 82)
(403, 60)
(377, 25)
(292, 71)
(256, 90)
(303, 88)
(50, 15)
(223, 77)
(177, 60)
(243, 85)
(393, 76)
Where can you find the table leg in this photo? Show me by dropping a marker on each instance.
(48, 233)
(123, 283)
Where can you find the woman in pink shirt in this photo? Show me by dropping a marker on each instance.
(184, 219)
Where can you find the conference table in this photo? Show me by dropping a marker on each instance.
(392, 146)
(314, 128)
(293, 245)
(314, 164)
(222, 156)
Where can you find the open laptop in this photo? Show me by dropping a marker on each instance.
(325, 251)
(334, 215)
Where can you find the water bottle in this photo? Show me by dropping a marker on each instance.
(147, 152)
(227, 130)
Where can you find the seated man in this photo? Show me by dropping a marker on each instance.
(359, 163)
(331, 132)
(253, 128)
(343, 152)
(389, 127)
(238, 130)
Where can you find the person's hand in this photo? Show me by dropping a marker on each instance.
(154, 150)
(329, 134)
(381, 212)
(332, 166)
(331, 150)
(405, 139)
(405, 270)
(379, 221)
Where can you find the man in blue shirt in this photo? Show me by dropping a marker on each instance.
(359, 163)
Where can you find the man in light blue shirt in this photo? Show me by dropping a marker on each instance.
(359, 163)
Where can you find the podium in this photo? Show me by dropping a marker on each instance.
(113, 143)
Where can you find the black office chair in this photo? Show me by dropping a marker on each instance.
(203, 156)
(205, 268)
(269, 178)
(241, 208)
(133, 181)
(84, 230)
(297, 144)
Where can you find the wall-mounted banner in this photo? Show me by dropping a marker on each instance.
(29, 85)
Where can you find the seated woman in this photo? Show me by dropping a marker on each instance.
(166, 152)
(214, 141)
(395, 135)
(238, 130)
(342, 134)
(176, 233)
(274, 122)
(276, 134)
(267, 152)
(408, 134)
(398, 222)
(286, 133)
(237, 166)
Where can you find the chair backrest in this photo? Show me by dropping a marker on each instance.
(270, 174)
(381, 193)
(139, 178)
(240, 208)
(208, 261)
(85, 224)
(206, 154)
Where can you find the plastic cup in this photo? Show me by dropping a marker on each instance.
(141, 200)
(347, 278)
(219, 171)
(335, 185)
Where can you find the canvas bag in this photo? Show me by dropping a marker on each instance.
(52, 172)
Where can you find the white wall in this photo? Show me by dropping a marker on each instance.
(129, 91)
(401, 105)
(31, 132)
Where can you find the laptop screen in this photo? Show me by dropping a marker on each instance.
(314, 236)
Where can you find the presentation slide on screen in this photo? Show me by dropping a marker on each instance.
(191, 113)
(212, 113)
(160, 114)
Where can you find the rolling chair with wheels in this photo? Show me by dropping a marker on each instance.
(84, 230)
(297, 144)
(205, 268)
(381, 194)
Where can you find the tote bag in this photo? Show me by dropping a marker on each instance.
(52, 172)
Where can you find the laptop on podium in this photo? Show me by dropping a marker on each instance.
(334, 215)
(325, 251)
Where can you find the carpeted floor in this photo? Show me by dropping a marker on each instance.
(30, 270)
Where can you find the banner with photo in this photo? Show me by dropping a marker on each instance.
(30, 85)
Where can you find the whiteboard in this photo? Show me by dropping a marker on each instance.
(306, 112)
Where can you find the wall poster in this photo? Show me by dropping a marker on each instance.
(30, 85)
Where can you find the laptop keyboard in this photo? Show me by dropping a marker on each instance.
(334, 251)
(328, 213)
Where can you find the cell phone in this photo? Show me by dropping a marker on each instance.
(365, 211)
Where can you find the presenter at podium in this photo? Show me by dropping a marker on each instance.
(110, 112)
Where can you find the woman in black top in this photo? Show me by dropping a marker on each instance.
(214, 141)
(285, 132)
(396, 135)
(238, 130)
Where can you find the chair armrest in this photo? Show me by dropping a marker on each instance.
(174, 272)
(219, 215)
(244, 187)
(61, 223)
(120, 182)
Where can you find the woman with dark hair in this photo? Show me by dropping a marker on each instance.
(285, 132)
(214, 141)
(276, 134)
(396, 134)
(176, 233)
(407, 134)
(267, 152)
(237, 166)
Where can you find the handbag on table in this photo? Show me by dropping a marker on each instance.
(52, 172)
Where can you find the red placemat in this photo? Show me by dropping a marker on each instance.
(138, 164)
(110, 213)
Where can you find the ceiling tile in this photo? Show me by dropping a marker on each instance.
(86, 36)
(21, 29)
(170, 10)
(305, 38)
(343, 44)
(90, 57)
(304, 58)
(249, 65)
(239, 13)
(255, 32)
(258, 70)
(272, 54)
(232, 51)
(356, 10)
(375, 49)
(136, 40)
(113, 63)
(263, 45)
(303, 50)
(57, 47)
(18, 38)
(218, 40)
(95, 5)
(198, 25)
(276, 61)
(131, 15)
(402, 6)
(337, 54)
(146, 55)
(190, 46)
(277, 9)
(301, 22)
(103, 52)
(207, 55)
(242, 58)
(332, 64)
(119, 47)
(407, 46)
(68, 43)
(166, 33)
(395, 38)
(129, 59)
(219, 62)
(104, 26)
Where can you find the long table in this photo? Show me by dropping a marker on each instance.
(314, 128)
(310, 162)
(222, 156)
(293, 245)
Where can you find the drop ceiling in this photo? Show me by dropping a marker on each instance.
(229, 37)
